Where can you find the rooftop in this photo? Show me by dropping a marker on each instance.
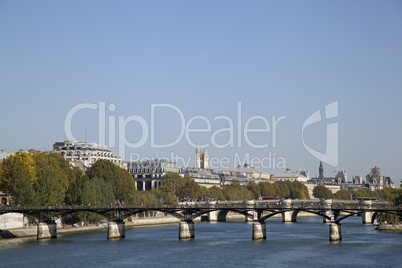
(288, 174)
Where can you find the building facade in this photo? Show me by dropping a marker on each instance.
(5, 154)
(290, 176)
(376, 181)
(244, 175)
(204, 177)
(149, 174)
(201, 159)
(84, 155)
(357, 179)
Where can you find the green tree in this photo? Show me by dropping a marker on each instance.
(191, 189)
(362, 193)
(282, 189)
(398, 197)
(351, 192)
(385, 194)
(24, 193)
(174, 182)
(255, 189)
(90, 192)
(49, 188)
(94, 191)
(297, 190)
(1, 173)
(214, 193)
(320, 191)
(342, 194)
(166, 195)
(16, 167)
(64, 170)
(174, 188)
(146, 197)
(391, 218)
(120, 179)
(267, 189)
(236, 191)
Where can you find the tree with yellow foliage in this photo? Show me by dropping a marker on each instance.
(19, 166)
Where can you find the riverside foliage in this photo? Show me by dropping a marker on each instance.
(46, 179)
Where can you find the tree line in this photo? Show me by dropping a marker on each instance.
(388, 194)
(48, 179)
(178, 189)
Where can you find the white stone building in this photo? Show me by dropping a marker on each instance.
(202, 159)
(289, 176)
(376, 181)
(244, 175)
(149, 174)
(204, 177)
(5, 154)
(84, 155)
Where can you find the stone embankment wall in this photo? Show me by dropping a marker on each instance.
(12, 220)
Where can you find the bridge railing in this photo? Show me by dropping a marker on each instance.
(223, 205)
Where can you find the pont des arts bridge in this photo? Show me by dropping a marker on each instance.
(256, 212)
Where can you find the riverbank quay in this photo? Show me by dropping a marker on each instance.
(389, 227)
(103, 225)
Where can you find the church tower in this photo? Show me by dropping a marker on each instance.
(197, 158)
(201, 158)
(321, 171)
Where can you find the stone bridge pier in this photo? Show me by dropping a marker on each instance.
(213, 215)
(367, 216)
(116, 229)
(288, 216)
(259, 230)
(47, 230)
(335, 231)
(186, 229)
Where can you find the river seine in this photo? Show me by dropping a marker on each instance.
(229, 244)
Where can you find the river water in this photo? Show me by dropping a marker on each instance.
(228, 244)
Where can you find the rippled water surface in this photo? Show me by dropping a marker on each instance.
(229, 244)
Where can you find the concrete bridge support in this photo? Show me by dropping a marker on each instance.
(116, 229)
(186, 230)
(366, 215)
(287, 216)
(213, 215)
(335, 232)
(259, 230)
(47, 230)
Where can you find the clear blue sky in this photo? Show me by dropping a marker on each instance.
(277, 58)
